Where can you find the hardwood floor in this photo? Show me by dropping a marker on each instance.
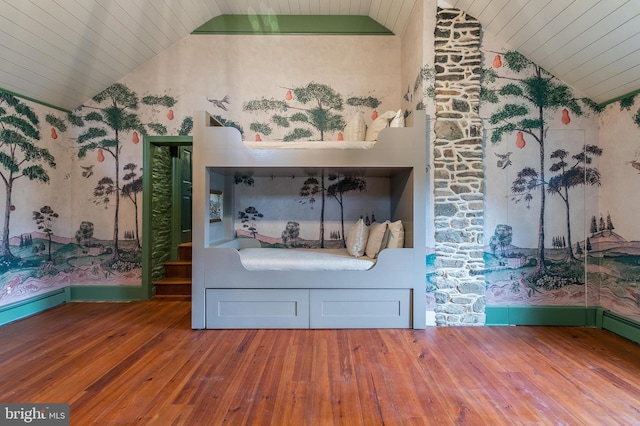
(140, 363)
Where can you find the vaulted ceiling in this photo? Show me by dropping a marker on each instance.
(63, 52)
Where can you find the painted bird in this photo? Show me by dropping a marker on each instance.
(635, 164)
(504, 160)
(220, 103)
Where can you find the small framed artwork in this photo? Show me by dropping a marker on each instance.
(215, 206)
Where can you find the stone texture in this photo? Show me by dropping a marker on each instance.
(458, 172)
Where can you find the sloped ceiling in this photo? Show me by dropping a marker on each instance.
(592, 45)
(63, 52)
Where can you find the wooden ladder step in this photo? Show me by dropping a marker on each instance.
(184, 251)
(175, 286)
(177, 269)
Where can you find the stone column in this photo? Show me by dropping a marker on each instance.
(458, 171)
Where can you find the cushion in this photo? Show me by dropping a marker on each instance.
(396, 235)
(378, 124)
(357, 238)
(356, 128)
(397, 120)
(378, 236)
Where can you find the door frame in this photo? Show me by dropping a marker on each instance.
(149, 144)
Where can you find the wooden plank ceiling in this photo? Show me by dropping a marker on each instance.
(63, 52)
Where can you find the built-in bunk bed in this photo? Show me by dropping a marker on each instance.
(229, 292)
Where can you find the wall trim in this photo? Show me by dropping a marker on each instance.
(106, 293)
(541, 315)
(34, 305)
(618, 324)
(293, 24)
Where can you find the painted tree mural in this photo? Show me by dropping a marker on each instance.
(341, 186)
(130, 190)
(84, 233)
(531, 94)
(20, 157)
(249, 218)
(570, 176)
(114, 114)
(314, 107)
(312, 188)
(45, 218)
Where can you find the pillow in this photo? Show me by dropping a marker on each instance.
(378, 236)
(357, 238)
(378, 124)
(356, 128)
(398, 120)
(396, 235)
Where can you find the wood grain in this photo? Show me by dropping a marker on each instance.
(140, 363)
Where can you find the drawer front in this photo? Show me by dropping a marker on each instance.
(257, 308)
(360, 308)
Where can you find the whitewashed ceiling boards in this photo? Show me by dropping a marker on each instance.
(63, 52)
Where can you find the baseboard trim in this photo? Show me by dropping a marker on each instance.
(541, 315)
(105, 293)
(618, 324)
(34, 305)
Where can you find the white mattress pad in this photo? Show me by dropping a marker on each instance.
(279, 259)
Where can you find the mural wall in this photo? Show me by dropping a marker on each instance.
(613, 228)
(542, 183)
(559, 218)
(298, 218)
(80, 223)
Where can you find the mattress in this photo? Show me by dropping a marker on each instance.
(309, 145)
(278, 259)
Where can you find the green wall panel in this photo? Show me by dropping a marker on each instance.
(292, 24)
(161, 210)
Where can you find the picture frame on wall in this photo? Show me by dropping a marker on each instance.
(215, 206)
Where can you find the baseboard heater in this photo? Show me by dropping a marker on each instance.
(621, 326)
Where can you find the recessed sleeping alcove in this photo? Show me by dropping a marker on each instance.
(253, 264)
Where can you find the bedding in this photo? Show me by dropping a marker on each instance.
(309, 144)
(278, 259)
(357, 238)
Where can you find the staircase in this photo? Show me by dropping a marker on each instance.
(177, 274)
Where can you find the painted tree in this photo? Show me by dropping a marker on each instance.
(249, 218)
(131, 189)
(312, 188)
(502, 237)
(312, 107)
(531, 93)
(291, 233)
(610, 226)
(341, 186)
(571, 176)
(45, 219)
(114, 115)
(20, 157)
(84, 233)
(594, 226)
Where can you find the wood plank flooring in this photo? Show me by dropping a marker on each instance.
(140, 363)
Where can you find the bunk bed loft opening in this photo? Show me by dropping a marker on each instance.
(398, 199)
(227, 294)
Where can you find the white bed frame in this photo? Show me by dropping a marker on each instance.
(226, 295)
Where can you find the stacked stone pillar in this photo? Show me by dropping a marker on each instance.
(458, 171)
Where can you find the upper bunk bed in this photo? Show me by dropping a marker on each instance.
(225, 294)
